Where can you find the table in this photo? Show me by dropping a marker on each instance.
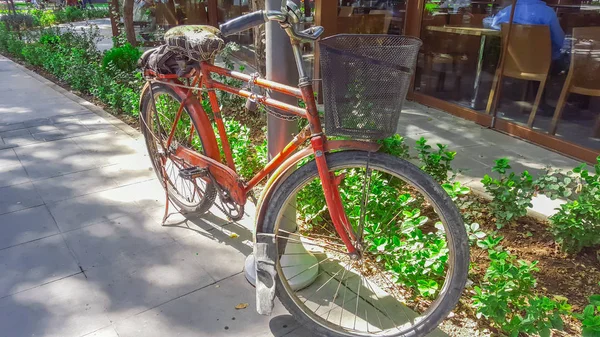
(483, 33)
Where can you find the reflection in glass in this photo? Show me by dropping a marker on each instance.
(569, 104)
(460, 51)
(551, 78)
(371, 17)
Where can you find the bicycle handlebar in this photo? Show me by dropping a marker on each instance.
(243, 23)
(254, 19)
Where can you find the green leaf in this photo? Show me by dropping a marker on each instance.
(588, 311)
(545, 332)
(595, 300)
(557, 322)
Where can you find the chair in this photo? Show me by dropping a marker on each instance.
(451, 52)
(584, 72)
(528, 57)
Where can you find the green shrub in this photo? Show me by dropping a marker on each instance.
(590, 318)
(123, 58)
(576, 225)
(249, 159)
(47, 18)
(19, 21)
(511, 194)
(506, 297)
(436, 163)
(395, 146)
(70, 14)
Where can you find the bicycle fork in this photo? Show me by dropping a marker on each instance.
(330, 184)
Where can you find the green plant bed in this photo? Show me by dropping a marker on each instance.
(32, 17)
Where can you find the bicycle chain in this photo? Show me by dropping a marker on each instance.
(286, 117)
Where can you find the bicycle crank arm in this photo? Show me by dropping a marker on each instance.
(224, 175)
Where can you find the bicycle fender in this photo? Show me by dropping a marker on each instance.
(202, 122)
(265, 252)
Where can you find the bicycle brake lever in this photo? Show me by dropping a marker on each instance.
(312, 33)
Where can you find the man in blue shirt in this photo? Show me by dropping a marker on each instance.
(534, 12)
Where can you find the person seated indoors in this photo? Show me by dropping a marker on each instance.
(535, 12)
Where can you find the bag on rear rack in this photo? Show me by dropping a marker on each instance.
(163, 61)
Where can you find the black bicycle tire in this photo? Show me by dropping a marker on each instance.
(211, 191)
(456, 232)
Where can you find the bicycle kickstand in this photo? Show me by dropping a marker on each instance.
(166, 214)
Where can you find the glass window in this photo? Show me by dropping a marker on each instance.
(460, 51)
(564, 100)
(371, 17)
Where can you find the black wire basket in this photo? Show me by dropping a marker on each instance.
(365, 81)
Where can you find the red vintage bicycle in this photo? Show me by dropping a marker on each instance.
(352, 241)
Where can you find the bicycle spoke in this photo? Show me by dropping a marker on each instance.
(358, 295)
(324, 284)
(300, 235)
(323, 227)
(307, 269)
(384, 308)
(303, 242)
(338, 287)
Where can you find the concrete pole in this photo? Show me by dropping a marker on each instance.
(281, 68)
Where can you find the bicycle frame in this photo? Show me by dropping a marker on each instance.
(225, 174)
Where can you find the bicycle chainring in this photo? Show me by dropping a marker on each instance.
(233, 211)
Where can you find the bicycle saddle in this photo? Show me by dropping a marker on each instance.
(197, 42)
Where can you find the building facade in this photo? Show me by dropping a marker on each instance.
(532, 72)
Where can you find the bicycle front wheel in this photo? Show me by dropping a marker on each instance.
(414, 252)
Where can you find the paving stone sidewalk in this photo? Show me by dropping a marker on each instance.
(82, 251)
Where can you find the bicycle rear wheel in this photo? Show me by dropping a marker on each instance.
(192, 196)
(414, 253)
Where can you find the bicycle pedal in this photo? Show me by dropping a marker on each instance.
(193, 172)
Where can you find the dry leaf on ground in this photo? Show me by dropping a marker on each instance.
(241, 306)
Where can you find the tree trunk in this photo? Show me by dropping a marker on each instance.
(259, 41)
(128, 21)
(115, 19)
(12, 7)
